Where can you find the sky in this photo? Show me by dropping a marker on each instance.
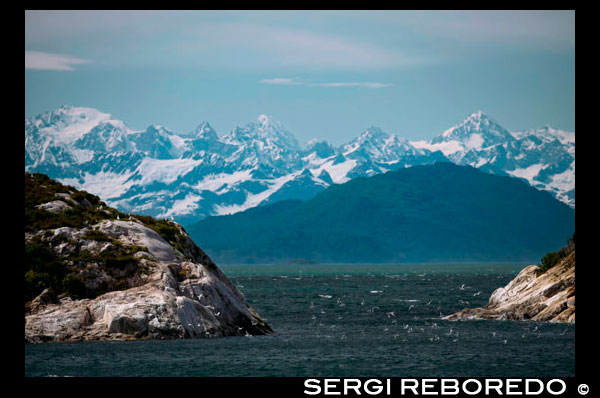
(322, 74)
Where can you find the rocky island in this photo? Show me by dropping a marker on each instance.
(543, 292)
(94, 273)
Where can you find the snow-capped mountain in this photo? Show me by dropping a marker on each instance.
(545, 157)
(196, 174)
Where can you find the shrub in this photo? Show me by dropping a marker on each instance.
(73, 286)
(552, 258)
(42, 269)
(80, 196)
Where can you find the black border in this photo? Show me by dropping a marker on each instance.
(294, 386)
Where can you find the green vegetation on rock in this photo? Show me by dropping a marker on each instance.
(553, 258)
(86, 209)
(63, 274)
(75, 272)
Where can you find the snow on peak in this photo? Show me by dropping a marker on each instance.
(477, 120)
(312, 142)
(67, 124)
(478, 115)
(371, 134)
(265, 133)
(548, 133)
(478, 123)
(263, 119)
(170, 174)
(205, 130)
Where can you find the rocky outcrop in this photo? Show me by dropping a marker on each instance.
(136, 278)
(532, 295)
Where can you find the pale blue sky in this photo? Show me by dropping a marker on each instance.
(324, 74)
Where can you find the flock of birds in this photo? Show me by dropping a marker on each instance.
(418, 319)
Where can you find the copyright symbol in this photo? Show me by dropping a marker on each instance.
(583, 389)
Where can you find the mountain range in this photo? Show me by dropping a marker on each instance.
(190, 176)
(432, 213)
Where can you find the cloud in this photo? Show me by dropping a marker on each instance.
(286, 81)
(546, 29)
(219, 39)
(354, 84)
(266, 46)
(48, 61)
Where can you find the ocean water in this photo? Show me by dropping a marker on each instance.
(345, 321)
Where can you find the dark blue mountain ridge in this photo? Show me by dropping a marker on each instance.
(431, 213)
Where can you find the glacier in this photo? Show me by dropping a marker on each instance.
(193, 175)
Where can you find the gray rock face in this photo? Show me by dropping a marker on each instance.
(532, 296)
(182, 295)
(56, 206)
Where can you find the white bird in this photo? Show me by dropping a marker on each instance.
(462, 287)
(476, 294)
(411, 307)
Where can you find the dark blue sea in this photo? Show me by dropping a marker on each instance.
(343, 320)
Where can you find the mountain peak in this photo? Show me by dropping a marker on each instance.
(478, 115)
(476, 122)
(374, 131)
(204, 130)
(264, 133)
(81, 112)
(263, 119)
